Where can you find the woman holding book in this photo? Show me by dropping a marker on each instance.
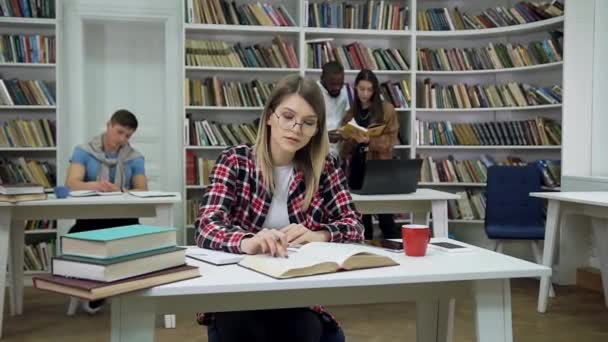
(368, 110)
(286, 189)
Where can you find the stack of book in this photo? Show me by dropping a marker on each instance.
(107, 262)
(21, 192)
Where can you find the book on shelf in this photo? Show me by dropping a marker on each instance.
(444, 19)
(118, 241)
(37, 257)
(538, 132)
(118, 268)
(318, 258)
(351, 128)
(27, 92)
(355, 56)
(279, 54)
(20, 189)
(91, 193)
(462, 95)
(94, 290)
(493, 56)
(18, 48)
(210, 133)
(192, 206)
(470, 206)
(229, 13)
(28, 9)
(352, 15)
(213, 92)
(33, 225)
(20, 170)
(23, 198)
(27, 133)
(450, 170)
(397, 93)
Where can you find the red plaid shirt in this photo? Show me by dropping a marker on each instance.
(236, 203)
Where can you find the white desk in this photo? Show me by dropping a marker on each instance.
(12, 217)
(592, 204)
(482, 274)
(419, 203)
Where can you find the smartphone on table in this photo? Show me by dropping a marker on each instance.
(449, 247)
(393, 246)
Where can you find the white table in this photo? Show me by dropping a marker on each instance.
(12, 217)
(419, 203)
(482, 274)
(592, 204)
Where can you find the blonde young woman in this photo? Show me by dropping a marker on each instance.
(285, 189)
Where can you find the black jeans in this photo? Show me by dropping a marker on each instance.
(295, 325)
(387, 226)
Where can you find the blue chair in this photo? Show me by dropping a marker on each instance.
(333, 336)
(511, 214)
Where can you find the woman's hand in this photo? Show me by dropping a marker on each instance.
(360, 137)
(266, 241)
(298, 234)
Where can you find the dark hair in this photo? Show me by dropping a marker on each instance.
(332, 68)
(375, 110)
(125, 118)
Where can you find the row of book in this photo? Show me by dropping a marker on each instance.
(229, 13)
(198, 169)
(443, 19)
(213, 92)
(493, 56)
(373, 15)
(537, 132)
(27, 133)
(106, 262)
(355, 56)
(470, 206)
(37, 257)
(20, 171)
(279, 54)
(27, 9)
(27, 49)
(210, 133)
(462, 95)
(27, 92)
(40, 225)
(192, 206)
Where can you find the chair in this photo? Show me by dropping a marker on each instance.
(511, 214)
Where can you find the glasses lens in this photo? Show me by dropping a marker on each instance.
(291, 123)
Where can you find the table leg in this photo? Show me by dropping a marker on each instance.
(440, 218)
(5, 233)
(552, 224)
(132, 319)
(600, 237)
(17, 251)
(164, 217)
(493, 310)
(427, 320)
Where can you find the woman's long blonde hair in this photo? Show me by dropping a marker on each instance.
(311, 158)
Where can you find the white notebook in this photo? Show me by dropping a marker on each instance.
(87, 193)
(213, 257)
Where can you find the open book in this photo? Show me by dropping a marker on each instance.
(318, 258)
(87, 193)
(352, 126)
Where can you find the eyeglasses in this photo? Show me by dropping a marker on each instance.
(288, 120)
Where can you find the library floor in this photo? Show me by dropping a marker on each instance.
(575, 315)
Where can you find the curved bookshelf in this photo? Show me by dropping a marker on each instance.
(20, 22)
(218, 108)
(536, 26)
(489, 109)
(229, 69)
(377, 72)
(238, 29)
(28, 149)
(27, 65)
(356, 33)
(488, 147)
(26, 107)
(40, 231)
(206, 148)
(538, 67)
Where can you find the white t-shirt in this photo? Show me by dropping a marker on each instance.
(278, 216)
(335, 108)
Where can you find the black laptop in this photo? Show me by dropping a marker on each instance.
(395, 176)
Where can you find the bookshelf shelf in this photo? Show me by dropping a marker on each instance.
(453, 184)
(16, 22)
(488, 147)
(489, 109)
(227, 69)
(356, 33)
(195, 187)
(467, 221)
(354, 72)
(537, 26)
(221, 109)
(539, 67)
(240, 29)
(30, 273)
(28, 149)
(403, 147)
(207, 148)
(28, 65)
(40, 231)
(33, 107)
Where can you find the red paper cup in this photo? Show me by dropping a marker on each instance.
(416, 238)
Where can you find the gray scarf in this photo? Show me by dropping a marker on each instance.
(125, 154)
